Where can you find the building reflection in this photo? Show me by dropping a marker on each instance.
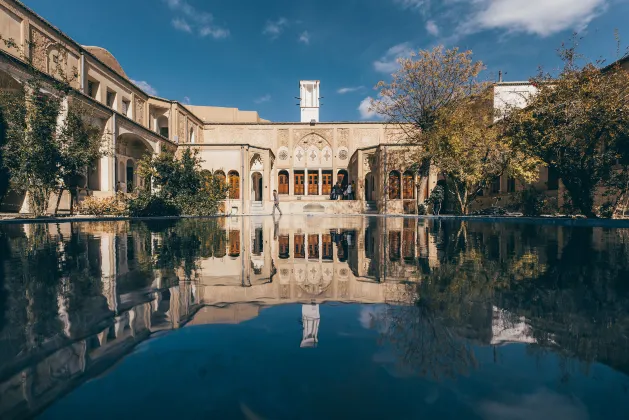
(96, 290)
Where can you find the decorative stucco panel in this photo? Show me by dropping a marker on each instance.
(139, 110)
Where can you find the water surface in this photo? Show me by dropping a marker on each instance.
(313, 317)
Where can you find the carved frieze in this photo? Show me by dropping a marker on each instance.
(260, 137)
(307, 136)
(343, 137)
(367, 136)
(139, 110)
(232, 135)
(282, 137)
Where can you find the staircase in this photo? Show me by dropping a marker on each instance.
(371, 207)
(257, 207)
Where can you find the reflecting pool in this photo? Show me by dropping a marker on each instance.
(313, 317)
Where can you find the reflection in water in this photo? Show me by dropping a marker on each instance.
(78, 297)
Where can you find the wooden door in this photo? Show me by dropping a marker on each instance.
(299, 184)
(283, 184)
(313, 183)
(327, 183)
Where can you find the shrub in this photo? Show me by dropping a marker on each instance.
(437, 195)
(147, 205)
(421, 209)
(105, 206)
(531, 201)
(606, 210)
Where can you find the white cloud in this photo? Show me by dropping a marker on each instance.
(543, 404)
(189, 19)
(388, 62)
(182, 25)
(536, 17)
(262, 99)
(145, 87)
(345, 90)
(539, 17)
(413, 4)
(275, 28)
(432, 28)
(304, 37)
(365, 112)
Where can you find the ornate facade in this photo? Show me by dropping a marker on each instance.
(302, 160)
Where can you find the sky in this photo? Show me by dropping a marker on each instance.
(251, 54)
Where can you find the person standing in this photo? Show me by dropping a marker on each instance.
(350, 191)
(276, 202)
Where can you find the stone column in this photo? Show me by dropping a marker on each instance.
(291, 182)
(266, 175)
(320, 181)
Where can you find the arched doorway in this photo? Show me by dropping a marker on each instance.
(234, 185)
(342, 177)
(130, 176)
(369, 187)
(394, 185)
(283, 182)
(256, 186)
(130, 149)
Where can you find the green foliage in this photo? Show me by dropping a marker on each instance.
(531, 201)
(437, 195)
(606, 210)
(39, 155)
(149, 205)
(179, 187)
(106, 206)
(578, 122)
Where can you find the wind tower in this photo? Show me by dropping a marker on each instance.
(309, 100)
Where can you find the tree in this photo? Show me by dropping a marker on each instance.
(179, 183)
(426, 83)
(80, 145)
(467, 149)
(40, 154)
(577, 123)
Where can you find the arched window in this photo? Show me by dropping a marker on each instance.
(234, 185)
(282, 182)
(234, 243)
(408, 185)
(220, 175)
(394, 185)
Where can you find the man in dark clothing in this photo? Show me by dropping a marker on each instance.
(276, 202)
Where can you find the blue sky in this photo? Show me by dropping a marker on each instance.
(251, 54)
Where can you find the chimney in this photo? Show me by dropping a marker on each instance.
(499, 76)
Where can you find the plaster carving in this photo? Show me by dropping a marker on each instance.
(313, 139)
(283, 153)
(299, 157)
(343, 153)
(260, 137)
(367, 136)
(139, 110)
(326, 156)
(181, 127)
(282, 137)
(343, 137)
(233, 135)
(256, 163)
(324, 133)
